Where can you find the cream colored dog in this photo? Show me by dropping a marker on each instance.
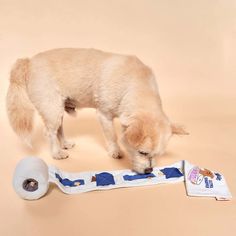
(116, 85)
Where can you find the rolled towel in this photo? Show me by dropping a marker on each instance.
(30, 179)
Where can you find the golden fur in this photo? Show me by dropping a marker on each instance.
(116, 85)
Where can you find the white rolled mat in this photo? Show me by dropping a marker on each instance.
(32, 176)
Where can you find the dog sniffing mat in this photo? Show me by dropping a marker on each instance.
(32, 177)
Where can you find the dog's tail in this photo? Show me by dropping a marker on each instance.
(19, 108)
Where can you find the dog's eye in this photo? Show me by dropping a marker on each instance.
(143, 153)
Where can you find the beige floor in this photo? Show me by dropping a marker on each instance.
(191, 47)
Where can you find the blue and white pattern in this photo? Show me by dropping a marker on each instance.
(198, 181)
(32, 177)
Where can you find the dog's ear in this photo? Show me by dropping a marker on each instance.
(134, 133)
(178, 129)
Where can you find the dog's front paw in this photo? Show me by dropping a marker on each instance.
(68, 144)
(61, 154)
(116, 154)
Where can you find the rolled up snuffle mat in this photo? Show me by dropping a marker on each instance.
(32, 177)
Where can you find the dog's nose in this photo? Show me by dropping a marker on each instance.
(148, 170)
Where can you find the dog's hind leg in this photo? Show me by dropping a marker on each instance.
(53, 124)
(50, 105)
(65, 144)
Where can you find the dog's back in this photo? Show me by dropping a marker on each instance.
(90, 76)
(73, 71)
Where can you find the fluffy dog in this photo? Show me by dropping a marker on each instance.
(116, 85)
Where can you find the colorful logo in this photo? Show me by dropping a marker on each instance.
(194, 175)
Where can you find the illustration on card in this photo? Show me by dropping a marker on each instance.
(196, 176)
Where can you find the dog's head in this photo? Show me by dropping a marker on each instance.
(146, 138)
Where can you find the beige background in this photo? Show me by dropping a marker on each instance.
(191, 47)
